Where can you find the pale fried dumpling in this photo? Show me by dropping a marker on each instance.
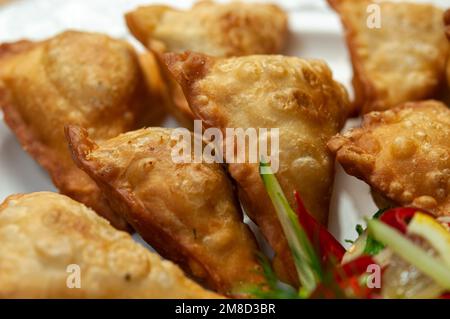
(219, 29)
(297, 96)
(48, 239)
(186, 211)
(402, 60)
(403, 154)
(74, 78)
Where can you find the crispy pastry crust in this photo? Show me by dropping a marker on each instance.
(187, 212)
(403, 154)
(402, 61)
(87, 79)
(42, 234)
(230, 29)
(297, 96)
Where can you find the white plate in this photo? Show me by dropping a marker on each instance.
(316, 33)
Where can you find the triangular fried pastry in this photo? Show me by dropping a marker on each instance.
(403, 154)
(300, 98)
(80, 78)
(54, 247)
(186, 211)
(219, 29)
(398, 51)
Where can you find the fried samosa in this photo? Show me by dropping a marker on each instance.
(219, 29)
(403, 154)
(54, 247)
(80, 78)
(300, 98)
(398, 51)
(186, 211)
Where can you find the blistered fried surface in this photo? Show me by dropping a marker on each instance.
(403, 60)
(41, 234)
(297, 96)
(78, 78)
(186, 211)
(403, 153)
(228, 29)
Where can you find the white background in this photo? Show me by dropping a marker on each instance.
(315, 32)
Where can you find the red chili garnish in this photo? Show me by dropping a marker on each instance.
(323, 292)
(359, 291)
(328, 246)
(347, 276)
(355, 267)
(341, 290)
(445, 296)
(400, 217)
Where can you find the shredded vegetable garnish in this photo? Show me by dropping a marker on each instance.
(410, 252)
(306, 261)
(326, 270)
(437, 236)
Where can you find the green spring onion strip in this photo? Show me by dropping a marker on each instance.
(306, 261)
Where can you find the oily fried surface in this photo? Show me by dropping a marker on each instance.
(80, 78)
(43, 233)
(230, 29)
(403, 153)
(187, 212)
(297, 96)
(402, 61)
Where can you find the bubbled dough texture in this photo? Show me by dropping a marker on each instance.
(230, 29)
(212, 28)
(402, 61)
(42, 233)
(78, 78)
(403, 153)
(192, 203)
(297, 96)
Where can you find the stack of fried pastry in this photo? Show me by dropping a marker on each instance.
(402, 147)
(88, 108)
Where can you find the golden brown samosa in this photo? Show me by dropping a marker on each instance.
(403, 154)
(79, 78)
(219, 29)
(186, 211)
(297, 96)
(398, 51)
(54, 247)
